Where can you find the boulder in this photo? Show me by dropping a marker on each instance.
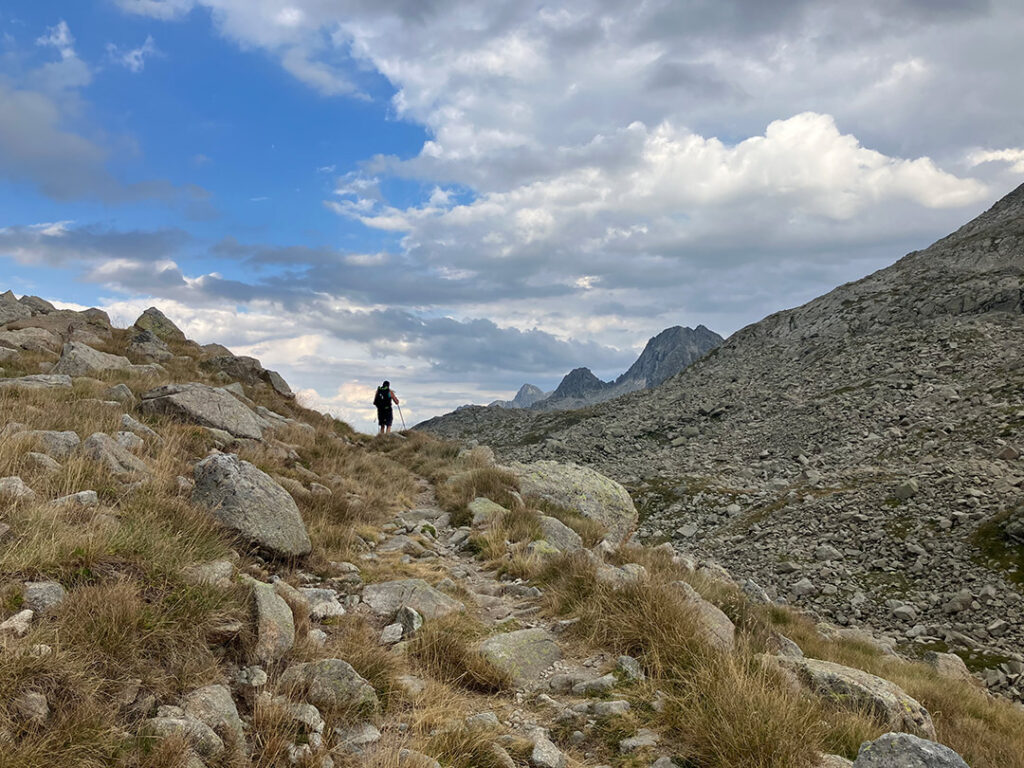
(329, 684)
(43, 596)
(148, 347)
(249, 502)
(860, 691)
(111, 455)
(31, 340)
(14, 489)
(199, 404)
(120, 393)
(948, 665)
(37, 305)
(58, 445)
(156, 322)
(37, 381)
(524, 654)
(214, 707)
(559, 534)
(77, 359)
(582, 490)
(484, 511)
(714, 626)
(545, 754)
(11, 308)
(275, 626)
(903, 750)
(385, 598)
(247, 370)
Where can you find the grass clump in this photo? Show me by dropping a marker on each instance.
(444, 649)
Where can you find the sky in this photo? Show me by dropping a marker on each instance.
(465, 196)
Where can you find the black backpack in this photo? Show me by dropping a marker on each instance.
(383, 397)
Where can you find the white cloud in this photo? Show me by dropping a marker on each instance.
(1013, 157)
(59, 37)
(134, 59)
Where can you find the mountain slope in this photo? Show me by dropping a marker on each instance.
(882, 420)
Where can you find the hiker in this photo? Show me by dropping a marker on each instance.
(383, 399)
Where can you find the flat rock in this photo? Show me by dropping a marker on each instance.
(330, 684)
(857, 690)
(249, 502)
(582, 490)
(77, 359)
(903, 750)
(207, 406)
(524, 654)
(43, 596)
(37, 381)
(385, 598)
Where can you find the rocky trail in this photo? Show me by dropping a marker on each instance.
(197, 572)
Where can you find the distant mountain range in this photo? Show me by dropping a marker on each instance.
(665, 355)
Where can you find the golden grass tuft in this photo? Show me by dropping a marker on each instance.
(443, 649)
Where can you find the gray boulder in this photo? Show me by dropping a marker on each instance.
(156, 322)
(714, 626)
(247, 370)
(58, 445)
(199, 404)
(37, 305)
(15, 489)
(860, 691)
(31, 340)
(196, 734)
(43, 596)
(329, 684)
(275, 625)
(523, 654)
(11, 308)
(214, 707)
(112, 456)
(559, 534)
(147, 346)
(385, 598)
(583, 490)
(249, 502)
(79, 359)
(903, 750)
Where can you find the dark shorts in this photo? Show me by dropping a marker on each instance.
(385, 416)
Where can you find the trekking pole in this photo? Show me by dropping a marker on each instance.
(403, 417)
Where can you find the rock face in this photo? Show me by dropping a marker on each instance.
(902, 750)
(583, 490)
(668, 353)
(857, 690)
(249, 502)
(523, 655)
(200, 404)
(387, 597)
(79, 359)
(330, 684)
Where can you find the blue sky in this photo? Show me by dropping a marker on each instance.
(462, 196)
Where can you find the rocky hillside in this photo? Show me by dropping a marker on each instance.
(664, 356)
(858, 456)
(197, 572)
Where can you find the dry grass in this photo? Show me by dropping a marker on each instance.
(444, 650)
(498, 485)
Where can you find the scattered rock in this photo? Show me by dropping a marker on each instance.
(112, 456)
(275, 626)
(904, 750)
(214, 706)
(43, 596)
(14, 489)
(79, 359)
(330, 684)
(199, 404)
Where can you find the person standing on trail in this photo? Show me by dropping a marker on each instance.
(383, 399)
